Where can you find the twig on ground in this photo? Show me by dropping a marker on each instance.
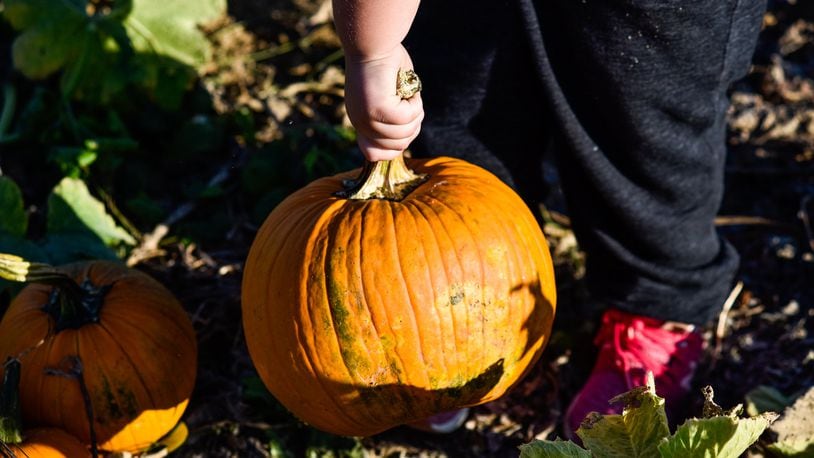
(720, 330)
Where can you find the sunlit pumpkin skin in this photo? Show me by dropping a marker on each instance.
(48, 443)
(361, 315)
(138, 361)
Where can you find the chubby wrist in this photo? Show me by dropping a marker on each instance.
(356, 57)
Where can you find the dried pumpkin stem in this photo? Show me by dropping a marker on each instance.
(71, 304)
(11, 431)
(390, 180)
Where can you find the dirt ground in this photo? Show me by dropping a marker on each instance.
(766, 337)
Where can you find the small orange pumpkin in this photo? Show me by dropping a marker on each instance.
(36, 442)
(48, 443)
(406, 296)
(114, 330)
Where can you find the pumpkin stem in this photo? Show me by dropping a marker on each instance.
(10, 417)
(15, 268)
(71, 305)
(390, 180)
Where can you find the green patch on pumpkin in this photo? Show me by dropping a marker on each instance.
(110, 408)
(129, 404)
(354, 360)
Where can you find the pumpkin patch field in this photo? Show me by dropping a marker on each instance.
(195, 260)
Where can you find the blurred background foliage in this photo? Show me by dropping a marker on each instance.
(161, 112)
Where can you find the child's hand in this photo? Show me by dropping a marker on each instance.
(385, 123)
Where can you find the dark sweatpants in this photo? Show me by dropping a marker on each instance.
(630, 95)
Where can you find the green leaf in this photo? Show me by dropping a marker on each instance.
(325, 445)
(165, 79)
(169, 44)
(12, 244)
(277, 445)
(169, 28)
(51, 30)
(72, 247)
(72, 161)
(14, 220)
(71, 209)
(20, 13)
(58, 35)
(641, 431)
(795, 429)
(553, 449)
(25, 13)
(43, 51)
(716, 437)
(97, 70)
(637, 432)
(155, 44)
(765, 399)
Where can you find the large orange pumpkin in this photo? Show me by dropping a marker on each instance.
(404, 298)
(123, 332)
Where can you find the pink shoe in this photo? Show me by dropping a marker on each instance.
(442, 423)
(629, 346)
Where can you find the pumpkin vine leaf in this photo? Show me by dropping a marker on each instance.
(721, 437)
(14, 221)
(153, 44)
(765, 398)
(642, 431)
(78, 226)
(637, 432)
(71, 208)
(553, 449)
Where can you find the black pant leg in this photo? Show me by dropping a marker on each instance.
(482, 96)
(638, 94)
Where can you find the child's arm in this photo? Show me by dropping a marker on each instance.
(371, 32)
